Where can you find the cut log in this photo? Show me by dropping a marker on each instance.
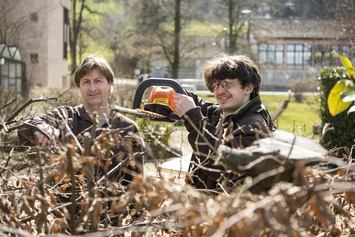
(281, 149)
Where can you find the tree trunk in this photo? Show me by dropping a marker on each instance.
(230, 24)
(176, 61)
(75, 28)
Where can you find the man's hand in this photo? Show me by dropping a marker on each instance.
(53, 133)
(183, 103)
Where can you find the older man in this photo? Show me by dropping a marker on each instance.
(94, 78)
(237, 120)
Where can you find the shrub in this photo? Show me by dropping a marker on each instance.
(8, 140)
(305, 85)
(343, 133)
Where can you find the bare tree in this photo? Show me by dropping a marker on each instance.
(236, 15)
(75, 24)
(117, 35)
(151, 20)
(344, 13)
(77, 28)
(340, 14)
(163, 23)
(12, 21)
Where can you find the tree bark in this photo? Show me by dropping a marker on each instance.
(74, 30)
(176, 61)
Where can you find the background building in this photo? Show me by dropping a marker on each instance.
(12, 69)
(292, 50)
(289, 52)
(42, 40)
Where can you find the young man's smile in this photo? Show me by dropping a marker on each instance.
(231, 96)
(223, 97)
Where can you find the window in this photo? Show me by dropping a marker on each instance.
(6, 52)
(348, 52)
(270, 77)
(2, 46)
(5, 68)
(273, 81)
(11, 69)
(325, 57)
(11, 78)
(279, 77)
(17, 55)
(34, 58)
(298, 55)
(262, 53)
(34, 16)
(272, 54)
(65, 33)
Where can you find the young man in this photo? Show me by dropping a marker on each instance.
(234, 121)
(94, 78)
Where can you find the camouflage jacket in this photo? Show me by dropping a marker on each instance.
(79, 121)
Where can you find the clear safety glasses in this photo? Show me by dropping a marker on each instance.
(226, 83)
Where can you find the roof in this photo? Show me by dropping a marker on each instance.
(295, 29)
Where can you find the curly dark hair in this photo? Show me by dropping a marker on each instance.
(89, 64)
(230, 67)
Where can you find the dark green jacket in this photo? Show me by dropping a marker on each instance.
(207, 130)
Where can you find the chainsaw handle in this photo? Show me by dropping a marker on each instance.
(154, 82)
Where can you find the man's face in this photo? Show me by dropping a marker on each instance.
(94, 89)
(231, 96)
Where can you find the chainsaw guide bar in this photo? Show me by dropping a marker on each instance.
(136, 112)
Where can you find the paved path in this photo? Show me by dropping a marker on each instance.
(178, 140)
(176, 165)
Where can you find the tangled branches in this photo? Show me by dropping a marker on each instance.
(61, 193)
(316, 202)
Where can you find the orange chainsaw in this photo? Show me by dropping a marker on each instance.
(161, 107)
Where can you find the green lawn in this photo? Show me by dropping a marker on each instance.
(303, 115)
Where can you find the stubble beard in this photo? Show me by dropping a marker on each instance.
(97, 105)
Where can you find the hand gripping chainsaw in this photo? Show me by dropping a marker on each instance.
(161, 107)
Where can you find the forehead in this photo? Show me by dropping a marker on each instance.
(93, 74)
(226, 80)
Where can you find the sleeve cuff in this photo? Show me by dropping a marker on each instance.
(195, 116)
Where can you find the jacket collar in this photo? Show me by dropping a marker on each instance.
(250, 106)
(85, 116)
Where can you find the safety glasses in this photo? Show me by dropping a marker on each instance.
(226, 83)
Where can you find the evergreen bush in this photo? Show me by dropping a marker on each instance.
(343, 133)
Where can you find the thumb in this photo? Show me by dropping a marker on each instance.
(177, 95)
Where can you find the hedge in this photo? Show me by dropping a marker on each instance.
(343, 133)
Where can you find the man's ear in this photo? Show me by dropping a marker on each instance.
(249, 88)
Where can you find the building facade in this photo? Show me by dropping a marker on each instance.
(291, 51)
(288, 53)
(43, 42)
